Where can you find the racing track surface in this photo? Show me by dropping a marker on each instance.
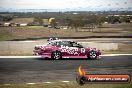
(25, 70)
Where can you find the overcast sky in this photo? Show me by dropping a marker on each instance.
(63, 4)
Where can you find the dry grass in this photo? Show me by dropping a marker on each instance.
(9, 33)
(22, 20)
(67, 85)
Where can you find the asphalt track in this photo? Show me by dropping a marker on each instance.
(29, 70)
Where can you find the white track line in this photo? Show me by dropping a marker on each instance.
(115, 54)
(7, 84)
(28, 41)
(47, 82)
(65, 81)
(31, 83)
(20, 56)
(38, 83)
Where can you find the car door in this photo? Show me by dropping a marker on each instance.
(80, 49)
(63, 48)
(68, 49)
(74, 49)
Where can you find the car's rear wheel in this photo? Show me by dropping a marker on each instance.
(56, 55)
(92, 54)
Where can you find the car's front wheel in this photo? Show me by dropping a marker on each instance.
(92, 54)
(56, 55)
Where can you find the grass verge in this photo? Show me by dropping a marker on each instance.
(67, 85)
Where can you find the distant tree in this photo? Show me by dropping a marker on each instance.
(126, 19)
(91, 21)
(38, 20)
(113, 19)
(99, 21)
(77, 21)
(7, 18)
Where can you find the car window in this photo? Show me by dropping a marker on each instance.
(75, 44)
(52, 43)
(63, 43)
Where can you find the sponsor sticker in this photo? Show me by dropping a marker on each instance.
(83, 78)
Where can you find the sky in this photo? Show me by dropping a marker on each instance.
(64, 4)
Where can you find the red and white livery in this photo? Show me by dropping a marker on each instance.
(57, 49)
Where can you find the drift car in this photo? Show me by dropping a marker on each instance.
(58, 49)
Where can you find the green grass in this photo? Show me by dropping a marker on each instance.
(130, 33)
(6, 36)
(67, 85)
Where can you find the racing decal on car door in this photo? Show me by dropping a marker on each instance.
(82, 50)
(63, 49)
(73, 50)
(69, 50)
